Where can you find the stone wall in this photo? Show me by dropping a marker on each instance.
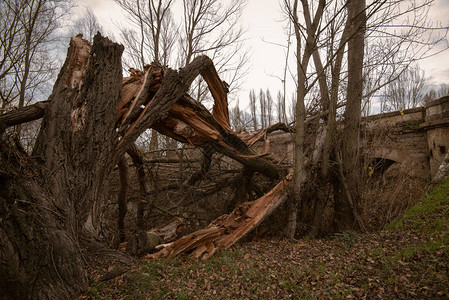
(437, 128)
(417, 139)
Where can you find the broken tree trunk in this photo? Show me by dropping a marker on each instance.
(187, 120)
(48, 204)
(227, 229)
(44, 203)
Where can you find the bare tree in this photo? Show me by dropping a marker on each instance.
(87, 25)
(253, 108)
(27, 40)
(443, 90)
(212, 27)
(269, 108)
(240, 119)
(11, 51)
(263, 108)
(406, 91)
(201, 19)
(345, 205)
(433, 94)
(151, 32)
(303, 55)
(397, 34)
(280, 106)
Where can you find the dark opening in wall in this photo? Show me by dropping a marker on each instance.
(442, 149)
(431, 153)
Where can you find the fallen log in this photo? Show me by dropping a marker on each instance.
(227, 229)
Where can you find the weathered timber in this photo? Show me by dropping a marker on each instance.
(40, 239)
(146, 241)
(138, 162)
(187, 120)
(227, 229)
(25, 114)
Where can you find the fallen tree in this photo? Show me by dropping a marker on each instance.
(49, 201)
(227, 229)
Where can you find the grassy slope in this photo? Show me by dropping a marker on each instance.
(409, 259)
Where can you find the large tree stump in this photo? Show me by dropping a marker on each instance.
(45, 203)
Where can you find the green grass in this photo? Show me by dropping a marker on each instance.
(430, 215)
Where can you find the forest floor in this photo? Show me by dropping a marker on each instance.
(408, 259)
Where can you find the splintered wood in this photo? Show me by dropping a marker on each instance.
(227, 229)
(146, 241)
(157, 98)
(190, 122)
(187, 120)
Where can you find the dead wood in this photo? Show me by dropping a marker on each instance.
(138, 162)
(185, 120)
(22, 115)
(146, 241)
(174, 86)
(122, 208)
(227, 229)
(205, 165)
(190, 122)
(252, 137)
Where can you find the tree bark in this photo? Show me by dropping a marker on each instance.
(22, 115)
(75, 144)
(345, 218)
(137, 159)
(122, 208)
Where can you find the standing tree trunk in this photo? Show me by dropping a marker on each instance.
(347, 198)
(154, 143)
(330, 129)
(300, 115)
(302, 63)
(44, 208)
(121, 197)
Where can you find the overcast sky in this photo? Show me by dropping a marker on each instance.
(262, 18)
